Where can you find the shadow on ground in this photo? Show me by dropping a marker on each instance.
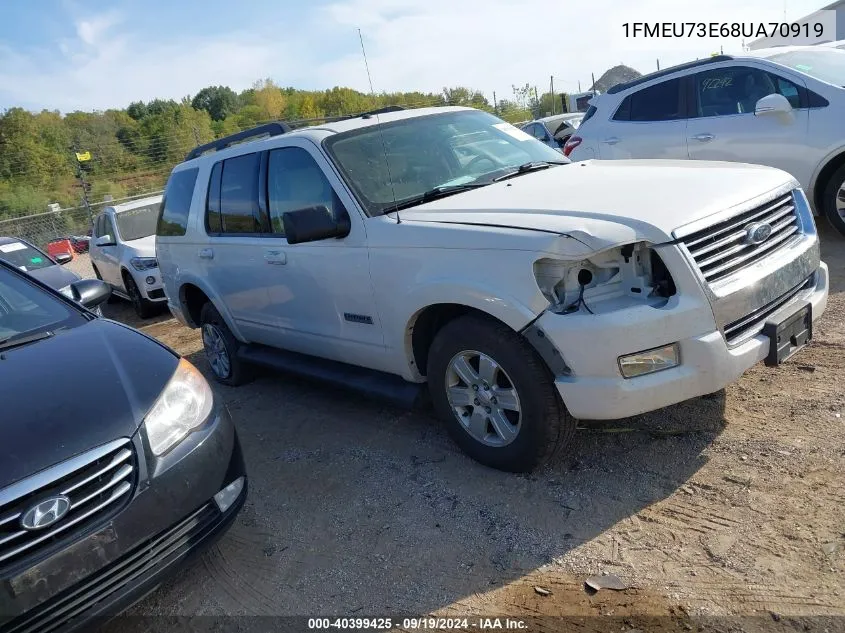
(357, 508)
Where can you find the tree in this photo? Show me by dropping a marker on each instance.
(218, 101)
(137, 110)
(461, 96)
(269, 99)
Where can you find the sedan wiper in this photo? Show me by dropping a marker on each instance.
(528, 167)
(23, 339)
(433, 194)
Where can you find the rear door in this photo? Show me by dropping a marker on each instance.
(649, 123)
(723, 126)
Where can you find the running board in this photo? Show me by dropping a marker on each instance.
(370, 382)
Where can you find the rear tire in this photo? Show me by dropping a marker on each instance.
(833, 200)
(143, 308)
(221, 349)
(471, 360)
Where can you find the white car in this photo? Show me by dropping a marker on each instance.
(123, 253)
(783, 107)
(443, 248)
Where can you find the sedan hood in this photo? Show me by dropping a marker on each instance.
(74, 391)
(644, 199)
(56, 277)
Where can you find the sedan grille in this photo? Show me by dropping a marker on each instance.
(724, 248)
(95, 485)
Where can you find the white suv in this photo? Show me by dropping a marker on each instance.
(782, 107)
(123, 253)
(444, 247)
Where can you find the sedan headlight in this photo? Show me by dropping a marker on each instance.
(183, 406)
(143, 263)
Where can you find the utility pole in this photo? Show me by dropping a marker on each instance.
(537, 101)
(579, 85)
(495, 104)
(552, 86)
(81, 157)
(593, 88)
(658, 64)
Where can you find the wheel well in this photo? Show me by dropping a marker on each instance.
(193, 299)
(429, 322)
(821, 182)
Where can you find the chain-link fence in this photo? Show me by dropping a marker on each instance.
(42, 228)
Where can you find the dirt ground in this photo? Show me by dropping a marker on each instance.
(728, 505)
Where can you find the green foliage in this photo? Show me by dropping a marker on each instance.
(133, 150)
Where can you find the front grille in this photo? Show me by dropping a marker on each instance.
(96, 483)
(722, 249)
(749, 325)
(123, 575)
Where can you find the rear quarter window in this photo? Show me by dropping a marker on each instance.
(173, 217)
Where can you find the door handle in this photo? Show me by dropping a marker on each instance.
(206, 253)
(613, 140)
(276, 258)
(704, 137)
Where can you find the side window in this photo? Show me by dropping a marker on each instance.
(239, 195)
(213, 223)
(661, 102)
(540, 132)
(788, 90)
(173, 216)
(295, 181)
(108, 227)
(98, 226)
(737, 89)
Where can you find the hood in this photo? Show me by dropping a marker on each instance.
(57, 277)
(602, 202)
(143, 247)
(83, 387)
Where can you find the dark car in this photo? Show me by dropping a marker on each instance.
(31, 259)
(98, 504)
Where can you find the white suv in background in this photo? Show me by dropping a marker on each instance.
(445, 248)
(123, 253)
(782, 107)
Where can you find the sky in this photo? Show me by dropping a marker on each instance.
(70, 55)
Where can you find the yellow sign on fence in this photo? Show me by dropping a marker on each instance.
(83, 156)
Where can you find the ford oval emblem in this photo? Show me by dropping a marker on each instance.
(45, 513)
(757, 233)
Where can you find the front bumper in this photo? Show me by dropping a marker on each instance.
(150, 291)
(171, 515)
(594, 389)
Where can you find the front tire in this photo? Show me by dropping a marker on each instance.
(221, 349)
(143, 308)
(833, 200)
(496, 396)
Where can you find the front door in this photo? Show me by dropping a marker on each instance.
(723, 125)
(320, 294)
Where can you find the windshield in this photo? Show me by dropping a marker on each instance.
(25, 308)
(823, 64)
(24, 256)
(438, 150)
(134, 224)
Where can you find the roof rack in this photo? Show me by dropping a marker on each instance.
(268, 129)
(278, 128)
(668, 71)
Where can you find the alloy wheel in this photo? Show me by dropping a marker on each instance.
(215, 350)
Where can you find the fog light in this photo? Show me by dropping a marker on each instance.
(151, 280)
(226, 497)
(650, 361)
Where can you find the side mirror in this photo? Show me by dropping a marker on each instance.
(314, 223)
(90, 292)
(63, 258)
(104, 240)
(773, 104)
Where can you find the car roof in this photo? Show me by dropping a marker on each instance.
(134, 204)
(318, 132)
(4, 239)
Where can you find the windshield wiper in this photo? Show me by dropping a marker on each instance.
(23, 339)
(527, 167)
(433, 194)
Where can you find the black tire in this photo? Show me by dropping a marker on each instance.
(238, 372)
(830, 197)
(544, 424)
(143, 308)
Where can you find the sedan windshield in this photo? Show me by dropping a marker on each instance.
(27, 309)
(401, 161)
(134, 224)
(24, 256)
(823, 64)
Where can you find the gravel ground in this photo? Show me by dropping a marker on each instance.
(721, 506)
